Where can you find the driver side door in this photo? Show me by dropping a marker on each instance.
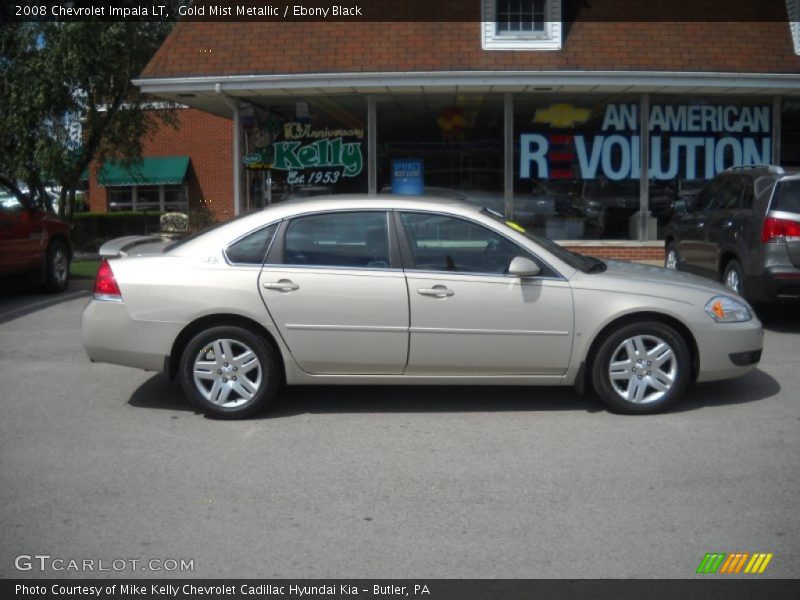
(467, 317)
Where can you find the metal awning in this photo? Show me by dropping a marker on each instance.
(205, 93)
(161, 170)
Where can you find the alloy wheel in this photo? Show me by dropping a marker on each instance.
(643, 369)
(227, 373)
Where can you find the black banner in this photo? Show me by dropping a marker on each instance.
(732, 588)
(222, 11)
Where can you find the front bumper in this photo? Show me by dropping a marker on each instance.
(727, 350)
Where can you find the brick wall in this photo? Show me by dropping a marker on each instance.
(647, 253)
(207, 140)
(737, 37)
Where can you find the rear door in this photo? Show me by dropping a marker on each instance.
(333, 285)
(467, 316)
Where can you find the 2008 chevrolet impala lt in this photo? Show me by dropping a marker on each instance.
(392, 290)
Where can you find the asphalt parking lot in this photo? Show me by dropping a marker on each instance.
(102, 463)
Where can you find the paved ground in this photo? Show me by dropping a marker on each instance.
(103, 462)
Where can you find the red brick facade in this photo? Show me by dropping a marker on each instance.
(602, 35)
(647, 253)
(207, 140)
(745, 44)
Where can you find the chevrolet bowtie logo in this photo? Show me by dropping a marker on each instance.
(561, 115)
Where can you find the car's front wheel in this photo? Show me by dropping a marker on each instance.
(641, 368)
(229, 372)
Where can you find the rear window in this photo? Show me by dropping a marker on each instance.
(787, 196)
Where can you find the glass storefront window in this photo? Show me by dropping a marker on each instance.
(577, 158)
(574, 177)
(295, 148)
(454, 142)
(790, 133)
(694, 138)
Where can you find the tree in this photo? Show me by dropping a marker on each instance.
(66, 98)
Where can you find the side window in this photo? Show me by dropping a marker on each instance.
(708, 198)
(347, 239)
(251, 249)
(9, 203)
(443, 243)
(731, 194)
(748, 197)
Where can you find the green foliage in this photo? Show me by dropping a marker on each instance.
(66, 98)
(84, 269)
(91, 230)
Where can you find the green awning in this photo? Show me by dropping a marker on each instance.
(161, 170)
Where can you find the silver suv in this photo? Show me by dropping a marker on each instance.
(743, 228)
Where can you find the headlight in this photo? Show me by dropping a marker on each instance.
(727, 310)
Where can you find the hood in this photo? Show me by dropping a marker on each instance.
(655, 281)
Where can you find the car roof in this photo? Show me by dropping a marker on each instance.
(299, 206)
(761, 170)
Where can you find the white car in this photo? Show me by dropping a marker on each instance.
(398, 290)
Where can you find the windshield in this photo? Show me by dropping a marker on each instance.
(576, 261)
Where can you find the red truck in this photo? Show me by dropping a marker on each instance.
(34, 241)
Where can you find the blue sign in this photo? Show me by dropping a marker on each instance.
(408, 178)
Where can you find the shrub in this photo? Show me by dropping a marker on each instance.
(91, 229)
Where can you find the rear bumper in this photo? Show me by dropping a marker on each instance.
(110, 335)
(774, 285)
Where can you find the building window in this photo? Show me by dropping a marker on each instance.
(164, 198)
(521, 24)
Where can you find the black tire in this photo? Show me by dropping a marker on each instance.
(672, 250)
(247, 391)
(57, 267)
(733, 276)
(642, 336)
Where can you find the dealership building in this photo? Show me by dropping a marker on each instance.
(582, 121)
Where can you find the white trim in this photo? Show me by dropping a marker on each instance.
(793, 8)
(246, 84)
(549, 40)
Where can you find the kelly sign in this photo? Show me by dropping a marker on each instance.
(326, 152)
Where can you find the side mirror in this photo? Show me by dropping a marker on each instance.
(523, 267)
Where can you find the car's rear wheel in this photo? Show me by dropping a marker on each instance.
(57, 267)
(641, 368)
(229, 372)
(732, 277)
(671, 257)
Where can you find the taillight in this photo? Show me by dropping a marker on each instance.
(780, 230)
(105, 285)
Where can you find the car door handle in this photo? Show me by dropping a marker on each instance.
(437, 291)
(283, 285)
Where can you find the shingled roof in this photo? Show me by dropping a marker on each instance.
(198, 48)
